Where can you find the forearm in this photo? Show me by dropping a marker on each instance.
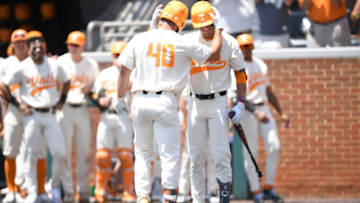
(274, 102)
(65, 88)
(241, 92)
(123, 80)
(5, 92)
(216, 46)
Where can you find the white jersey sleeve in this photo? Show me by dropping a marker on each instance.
(13, 77)
(127, 56)
(236, 60)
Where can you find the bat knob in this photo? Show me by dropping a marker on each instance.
(231, 114)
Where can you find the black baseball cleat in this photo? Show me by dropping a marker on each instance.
(224, 192)
(270, 194)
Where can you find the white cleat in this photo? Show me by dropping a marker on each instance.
(56, 195)
(10, 198)
(31, 198)
(182, 198)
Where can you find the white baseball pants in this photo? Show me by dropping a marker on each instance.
(114, 132)
(155, 118)
(268, 131)
(75, 125)
(208, 126)
(41, 131)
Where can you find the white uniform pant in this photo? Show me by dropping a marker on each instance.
(268, 131)
(75, 125)
(41, 131)
(208, 126)
(184, 182)
(155, 118)
(114, 131)
(13, 138)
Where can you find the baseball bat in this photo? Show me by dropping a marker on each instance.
(241, 134)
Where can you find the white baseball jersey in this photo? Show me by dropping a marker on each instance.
(257, 81)
(215, 76)
(108, 79)
(81, 74)
(163, 57)
(11, 63)
(39, 84)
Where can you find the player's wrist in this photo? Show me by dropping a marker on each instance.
(14, 102)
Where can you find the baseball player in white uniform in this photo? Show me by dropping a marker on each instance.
(161, 58)
(208, 123)
(74, 118)
(41, 81)
(13, 121)
(258, 120)
(114, 133)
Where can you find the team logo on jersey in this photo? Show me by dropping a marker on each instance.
(209, 66)
(255, 80)
(41, 83)
(78, 81)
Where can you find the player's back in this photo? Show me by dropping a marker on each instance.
(162, 59)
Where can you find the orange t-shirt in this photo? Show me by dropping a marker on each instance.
(323, 11)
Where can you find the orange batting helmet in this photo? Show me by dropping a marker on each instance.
(245, 39)
(176, 12)
(118, 47)
(18, 35)
(200, 14)
(76, 37)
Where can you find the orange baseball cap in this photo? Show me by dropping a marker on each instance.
(245, 39)
(34, 34)
(200, 14)
(76, 37)
(18, 35)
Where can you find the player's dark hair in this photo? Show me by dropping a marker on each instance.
(170, 23)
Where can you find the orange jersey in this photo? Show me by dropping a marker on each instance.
(323, 11)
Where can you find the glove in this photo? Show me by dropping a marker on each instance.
(156, 17)
(121, 107)
(238, 109)
(217, 19)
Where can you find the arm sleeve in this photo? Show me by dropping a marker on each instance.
(97, 84)
(127, 56)
(197, 51)
(62, 75)
(237, 60)
(12, 77)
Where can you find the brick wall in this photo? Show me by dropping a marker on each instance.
(320, 152)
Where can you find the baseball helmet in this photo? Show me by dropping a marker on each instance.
(200, 14)
(245, 39)
(176, 12)
(118, 47)
(18, 35)
(76, 37)
(34, 34)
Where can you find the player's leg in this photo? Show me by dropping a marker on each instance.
(66, 122)
(82, 142)
(143, 144)
(269, 134)
(197, 141)
(32, 144)
(55, 143)
(251, 130)
(104, 145)
(218, 133)
(124, 140)
(184, 181)
(211, 183)
(11, 147)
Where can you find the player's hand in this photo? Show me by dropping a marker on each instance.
(25, 109)
(156, 17)
(285, 118)
(217, 19)
(121, 107)
(86, 89)
(105, 102)
(261, 116)
(238, 109)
